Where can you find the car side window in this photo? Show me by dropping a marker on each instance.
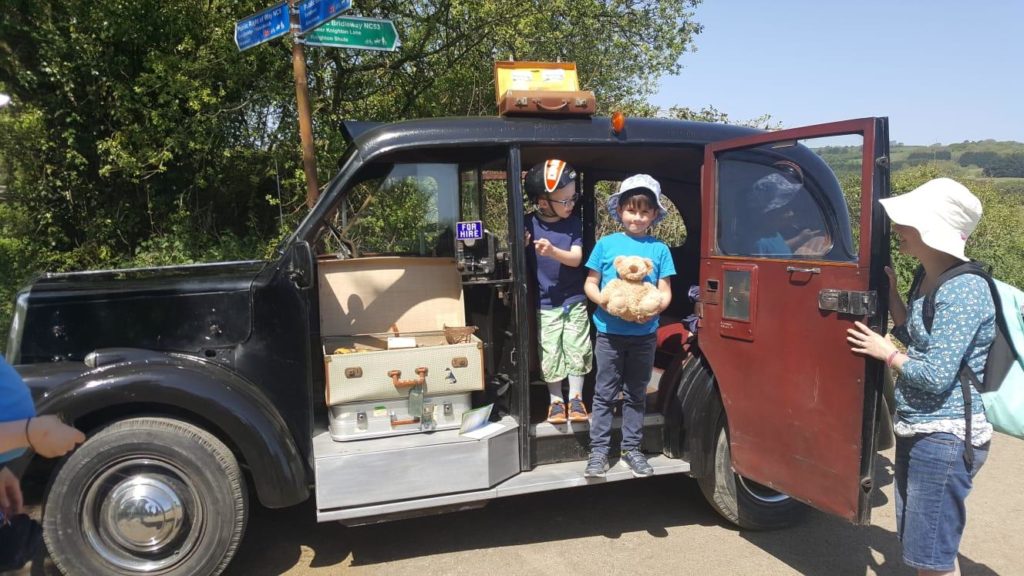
(411, 211)
(767, 211)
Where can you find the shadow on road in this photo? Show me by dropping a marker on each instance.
(283, 541)
(274, 539)
(828, 546)
(277, 540)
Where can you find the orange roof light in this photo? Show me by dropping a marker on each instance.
(618, 122)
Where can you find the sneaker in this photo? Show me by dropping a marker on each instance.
(577, 411)
(637, 462)
(556, 413)
(597, 465)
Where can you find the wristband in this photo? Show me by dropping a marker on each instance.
(27, 438)
(892, 356)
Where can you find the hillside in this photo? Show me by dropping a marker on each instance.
(981, 159)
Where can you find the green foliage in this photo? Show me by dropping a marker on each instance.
(396, 216)
(138, 135)
(998, 241)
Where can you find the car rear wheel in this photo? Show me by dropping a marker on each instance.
(146, 496)
(742, 501)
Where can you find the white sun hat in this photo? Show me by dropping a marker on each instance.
(943, 210)
(637, 182)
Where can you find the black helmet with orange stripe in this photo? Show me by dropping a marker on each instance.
(547, 177)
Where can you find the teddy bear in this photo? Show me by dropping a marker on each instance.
(629, 297)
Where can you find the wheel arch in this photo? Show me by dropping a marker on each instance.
(692, 413)
(208, 396)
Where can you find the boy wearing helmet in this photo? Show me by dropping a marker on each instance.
(555, 236)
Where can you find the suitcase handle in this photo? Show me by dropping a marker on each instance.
(540, 104)
(421, 381)
(405, 422)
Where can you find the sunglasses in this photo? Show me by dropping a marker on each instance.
(564, 203)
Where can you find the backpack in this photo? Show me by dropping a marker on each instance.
(1002, 389)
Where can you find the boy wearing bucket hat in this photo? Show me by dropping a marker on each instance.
(562, 324)
(625, 350)
(932, 475)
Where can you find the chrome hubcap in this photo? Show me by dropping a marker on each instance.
(142, 514)
(761, 492)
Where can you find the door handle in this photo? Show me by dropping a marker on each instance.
(803, 270)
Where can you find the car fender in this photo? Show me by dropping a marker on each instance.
(692, 413)
(233, 406)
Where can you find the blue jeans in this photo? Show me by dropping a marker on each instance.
(624, 363)
(931, 484)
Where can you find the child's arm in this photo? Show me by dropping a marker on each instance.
(665, 287)
(571, 257)
(592, 287)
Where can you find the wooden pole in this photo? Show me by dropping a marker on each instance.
(305, 115)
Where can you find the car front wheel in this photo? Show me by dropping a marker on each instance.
(146, 496)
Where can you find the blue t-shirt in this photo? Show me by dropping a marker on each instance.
(15, 402)
(557, 285)
(773, 245)
(601, 260)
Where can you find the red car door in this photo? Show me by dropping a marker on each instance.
(792, 256)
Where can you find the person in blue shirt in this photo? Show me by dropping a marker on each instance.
(772, 199)
(563, 328)
(932, 477)
(20, 429)
(624, 351)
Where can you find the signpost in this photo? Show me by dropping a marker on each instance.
(319, 20)
(262, 26)
(313, 13)
(358, 33)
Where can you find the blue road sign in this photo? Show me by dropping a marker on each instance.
(313, 13)
(473, 230)
(262, 26)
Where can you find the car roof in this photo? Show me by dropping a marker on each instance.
(372, 139)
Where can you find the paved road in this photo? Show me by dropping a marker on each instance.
(654, 526)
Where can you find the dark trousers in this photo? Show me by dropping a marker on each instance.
(624, 363)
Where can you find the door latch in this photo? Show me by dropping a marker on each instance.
(857, 303)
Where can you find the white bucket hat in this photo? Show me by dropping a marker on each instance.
(943, 210)
(642, 182)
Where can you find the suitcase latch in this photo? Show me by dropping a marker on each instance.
(428, 423)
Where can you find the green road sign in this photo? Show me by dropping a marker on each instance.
(358, 33)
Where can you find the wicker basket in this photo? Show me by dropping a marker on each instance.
(458, 334)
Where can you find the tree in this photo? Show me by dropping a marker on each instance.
(141, 136)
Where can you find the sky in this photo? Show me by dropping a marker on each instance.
(943, 72)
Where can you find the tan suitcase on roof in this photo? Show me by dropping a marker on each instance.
(541, 88)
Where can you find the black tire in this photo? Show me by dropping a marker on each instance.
(743, 502)
(146, 496)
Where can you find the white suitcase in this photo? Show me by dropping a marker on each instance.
(367, 370)
(360, 420)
